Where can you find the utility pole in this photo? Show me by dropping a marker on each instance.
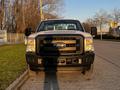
(101, 30)
(41, 12)
(23, 12)
(101, 34)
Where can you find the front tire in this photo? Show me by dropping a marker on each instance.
(33, 68)
(88, 74)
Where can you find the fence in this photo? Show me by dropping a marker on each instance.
(13, 38)
(3, 36)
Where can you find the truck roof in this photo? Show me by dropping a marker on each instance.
(61, 20)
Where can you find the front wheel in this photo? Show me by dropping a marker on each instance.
(88, 74)
(33, 68)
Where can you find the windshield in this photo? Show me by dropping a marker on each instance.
(60, 25)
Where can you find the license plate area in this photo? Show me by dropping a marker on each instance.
(69, 61)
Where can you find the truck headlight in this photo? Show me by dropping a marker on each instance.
(89, 44)
(30, 45)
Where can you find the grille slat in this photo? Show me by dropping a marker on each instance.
(72, 45)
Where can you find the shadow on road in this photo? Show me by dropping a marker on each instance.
(50, 64)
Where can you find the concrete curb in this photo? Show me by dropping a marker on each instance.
(19, 81)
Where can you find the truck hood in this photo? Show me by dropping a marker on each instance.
(60, 32)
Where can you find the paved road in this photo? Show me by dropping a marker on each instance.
(106, 73)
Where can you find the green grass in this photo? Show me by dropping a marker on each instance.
(12, 63)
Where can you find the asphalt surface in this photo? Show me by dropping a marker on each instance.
(106, 74)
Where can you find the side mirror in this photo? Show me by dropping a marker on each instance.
(28, 31)
(94, 31)
(118, 27)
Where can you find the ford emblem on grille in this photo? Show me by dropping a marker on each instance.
(60, 45)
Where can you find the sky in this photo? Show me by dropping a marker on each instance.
(83, 9)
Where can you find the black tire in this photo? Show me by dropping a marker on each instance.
(33, 68)
(88, 74)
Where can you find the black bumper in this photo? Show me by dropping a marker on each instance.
(86, 58)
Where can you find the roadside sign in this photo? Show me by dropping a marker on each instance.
(113, 24)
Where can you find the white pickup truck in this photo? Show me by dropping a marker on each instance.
(60, 43)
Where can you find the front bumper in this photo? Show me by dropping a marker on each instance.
(67, 60)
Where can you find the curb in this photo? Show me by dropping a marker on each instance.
(19, 81)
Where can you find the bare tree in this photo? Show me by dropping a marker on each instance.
(101, 17)
(53, 6)
(115, 15)
(88, 24)
(1, 13)
(27, 12)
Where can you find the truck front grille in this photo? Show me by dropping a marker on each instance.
(58, 45)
